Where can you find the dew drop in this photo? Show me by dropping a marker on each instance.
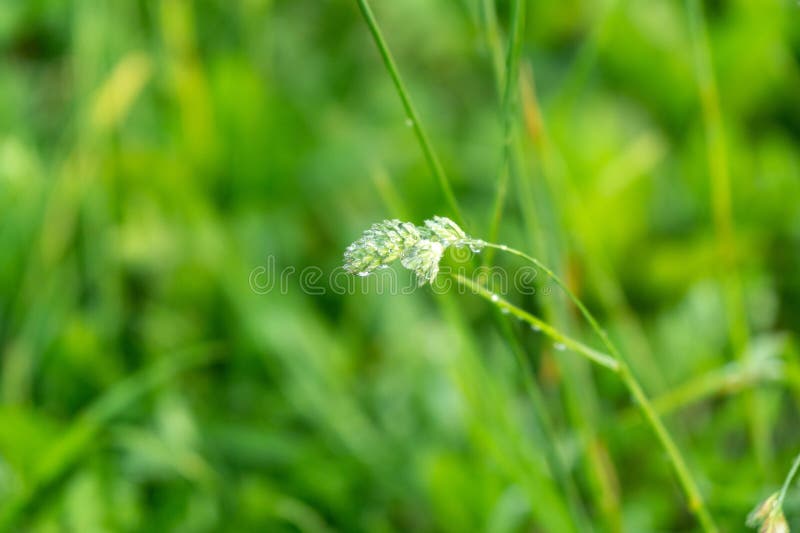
(504, 310)
(559, 346)
(536, 328)
(495, 298)
(409, 123)
(363, 274)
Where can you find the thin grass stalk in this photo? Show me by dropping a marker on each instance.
(586, 58)
(696, 503)
(505, 88)
(727, 381)
(578, 386)
(547, 439)
(579, 390)
(769, 516)
(577, 383)
(788, 481)
(559, 338)
(597, 357)
(489, 19)
(531, 479)
(722, 207)
(416, 124)
(609, 290)
(509, 116)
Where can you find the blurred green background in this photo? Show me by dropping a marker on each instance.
(154, 153)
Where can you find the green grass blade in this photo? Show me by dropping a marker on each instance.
(557, 336)
(509, 116)
(722, 208)
(580, 391)
(413, 116)
(696, 503)
(788, 481)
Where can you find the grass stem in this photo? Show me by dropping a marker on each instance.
(722, 207)
(696, 503)
(509, 99)
(538, 324)
(788, 481)
(580, 393)
(422, 137)
(547, 438)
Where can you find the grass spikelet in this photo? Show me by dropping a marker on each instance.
(420, 249)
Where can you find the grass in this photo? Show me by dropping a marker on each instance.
(509, 107)
(153, 154)
(413, 118)
(420, 250)
(721, 203)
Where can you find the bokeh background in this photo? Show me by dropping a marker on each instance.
(154, 153)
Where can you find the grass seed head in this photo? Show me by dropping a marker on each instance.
(419, 249)
(383, 243)
(768, 516)
(445, 230)
(423, 259)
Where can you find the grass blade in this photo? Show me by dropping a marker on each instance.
(722, 207)
(413, 116)
(509, 109)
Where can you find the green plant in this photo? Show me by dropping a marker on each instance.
(411, 112)
(420, 249)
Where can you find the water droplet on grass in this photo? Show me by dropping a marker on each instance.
(536, 328)
(505, 310)
(495, 298)
(409, 123)
(559, 346)
(476, 246)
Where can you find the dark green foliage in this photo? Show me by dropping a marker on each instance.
(154, 155)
